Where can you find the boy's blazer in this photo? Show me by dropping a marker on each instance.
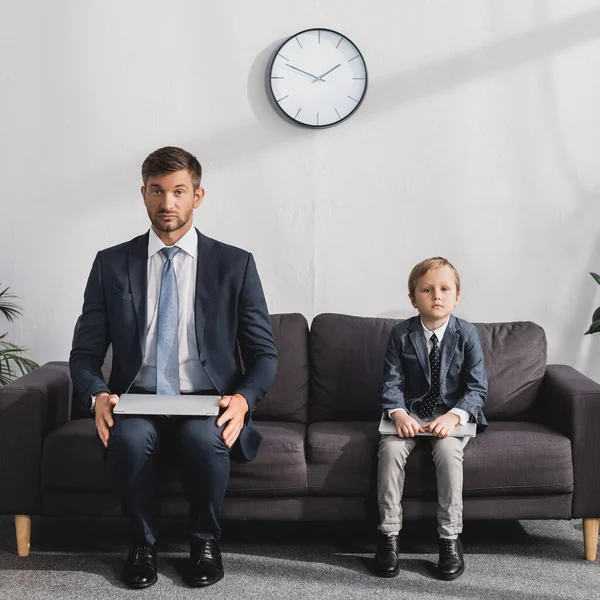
(229, 308)
(406, 374)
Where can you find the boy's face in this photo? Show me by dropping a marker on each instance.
(435, 295)
(170, 200)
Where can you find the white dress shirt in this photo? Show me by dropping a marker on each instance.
(463, 415)
(191, 372)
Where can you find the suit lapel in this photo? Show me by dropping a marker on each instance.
(205, 278)
(138, 274)
(448, 347)
(417, 337)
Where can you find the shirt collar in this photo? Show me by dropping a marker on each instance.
(187, 242)
(439, 332)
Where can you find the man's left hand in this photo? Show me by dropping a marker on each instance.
(442, 426)
(237, 407)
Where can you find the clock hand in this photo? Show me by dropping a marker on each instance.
(326, 73)
(317, 78)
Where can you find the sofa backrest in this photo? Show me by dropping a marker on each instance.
(287, 400)
(515, 363)
(346, 357)
(347, 363)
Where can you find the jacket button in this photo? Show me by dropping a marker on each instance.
(203, 363)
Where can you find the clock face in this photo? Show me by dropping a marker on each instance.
(318, 77)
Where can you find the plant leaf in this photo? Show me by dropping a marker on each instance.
(594, 327)
(12, 363)
(596, 315)
(9, 309)
(596, 277)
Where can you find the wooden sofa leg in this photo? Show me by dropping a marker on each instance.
(23, 530)
(590, 537)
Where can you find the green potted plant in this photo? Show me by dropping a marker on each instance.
(595, 326)
(13, 362)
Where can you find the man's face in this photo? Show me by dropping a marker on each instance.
(170, 200)
(435, 294)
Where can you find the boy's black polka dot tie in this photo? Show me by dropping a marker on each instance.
(427, 406)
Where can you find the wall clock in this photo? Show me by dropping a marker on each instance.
(318, 78)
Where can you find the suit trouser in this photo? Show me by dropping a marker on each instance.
(132, 456)
(448, 459)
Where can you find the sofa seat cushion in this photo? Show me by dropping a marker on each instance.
(73, 459)
(342, 457)
(508, 459)
(518, 458)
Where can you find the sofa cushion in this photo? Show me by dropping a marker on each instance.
(508, 459)
(73, 459)
(347, 364)
(287, 400)
(342, 457)
(515, 363)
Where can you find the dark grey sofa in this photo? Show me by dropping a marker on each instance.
(538, 459)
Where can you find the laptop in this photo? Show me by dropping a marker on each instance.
(387, 427)
(179, 405)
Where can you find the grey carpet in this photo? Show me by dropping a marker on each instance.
(82, 558)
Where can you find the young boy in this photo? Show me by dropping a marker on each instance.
(434, 370)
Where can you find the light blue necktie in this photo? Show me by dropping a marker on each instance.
(167, 341)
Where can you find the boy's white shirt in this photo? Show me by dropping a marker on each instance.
(463, 415)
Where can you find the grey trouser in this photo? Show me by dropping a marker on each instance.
(448, 459)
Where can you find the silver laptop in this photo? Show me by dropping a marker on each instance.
(387, 427)
(151, 404)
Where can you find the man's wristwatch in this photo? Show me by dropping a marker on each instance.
(93, 403)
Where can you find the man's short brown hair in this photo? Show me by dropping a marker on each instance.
(437, 262)
(170, 159)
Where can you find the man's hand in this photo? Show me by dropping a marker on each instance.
(237, 407)
(442, 426)
(104, 417)
(406, 426)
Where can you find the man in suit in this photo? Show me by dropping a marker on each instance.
(177, 308)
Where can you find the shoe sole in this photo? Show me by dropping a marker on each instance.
(381, 573)
(450, 576)
(200, 585)
(141, 586)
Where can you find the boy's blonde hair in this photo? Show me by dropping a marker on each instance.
(437, 262)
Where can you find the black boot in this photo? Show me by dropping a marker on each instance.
(451, 564)
(387, 563)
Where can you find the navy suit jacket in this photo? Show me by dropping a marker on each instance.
(230, 309)
(406, 372)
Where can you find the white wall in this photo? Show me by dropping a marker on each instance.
(478, 141)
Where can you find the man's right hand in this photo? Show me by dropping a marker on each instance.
(406, 426)
(104, 416)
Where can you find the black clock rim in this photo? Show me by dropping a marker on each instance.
(270, 71)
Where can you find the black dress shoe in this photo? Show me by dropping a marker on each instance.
(140, 567)
(387, 563)
(451, 564)
(207, 566)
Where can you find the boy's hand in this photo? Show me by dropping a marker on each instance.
(406, 426)
(442, 426)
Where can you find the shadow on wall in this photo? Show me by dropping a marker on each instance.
(385, 94)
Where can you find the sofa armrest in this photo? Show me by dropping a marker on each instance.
(572, 406)
(30, 407)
